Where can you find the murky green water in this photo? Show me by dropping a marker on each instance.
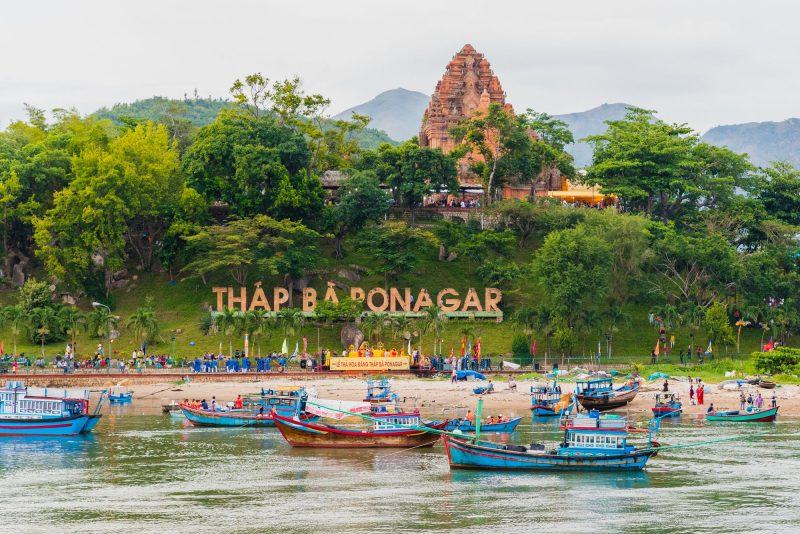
(147, 473)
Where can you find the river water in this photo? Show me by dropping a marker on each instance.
(149, 473)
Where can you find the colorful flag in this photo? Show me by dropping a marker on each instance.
(534, 347)
(464, 346)
(657, 350)
(478, 349)
(708, 350)
(285, 347)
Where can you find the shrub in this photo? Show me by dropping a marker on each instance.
(520, 347)
(780, 360)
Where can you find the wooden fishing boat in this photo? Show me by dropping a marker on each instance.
(766, 384)
(465, 426)
(599, 394)
(391, 430)
(736, 416)
(45, 412)
(667, 405)
(591, 443)
(120, 397)
(257, 410)
(549, 401)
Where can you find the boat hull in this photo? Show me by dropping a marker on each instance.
(120, 399)
(764, 416)
(57, 426)
(667, 411)
(225, 419)
(311, 435)
(607, 401)
(464, 455)
(465, 426)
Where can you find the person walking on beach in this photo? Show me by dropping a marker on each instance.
(666, 385)
(701, 391)
(453, 375)
(691, 394)
(742, 401)
(759, 401)
(774, 400)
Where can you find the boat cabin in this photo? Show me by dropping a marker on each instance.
(545, 394)
(286, 400)
(594, 386)
(398, 421)
(16, 400)
(595, 434)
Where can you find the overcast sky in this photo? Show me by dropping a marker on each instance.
(704, 62)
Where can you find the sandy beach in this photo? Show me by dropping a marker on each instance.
(441, 397)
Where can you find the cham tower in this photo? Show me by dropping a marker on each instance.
(467, 88)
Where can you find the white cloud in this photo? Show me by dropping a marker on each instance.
(704, 62)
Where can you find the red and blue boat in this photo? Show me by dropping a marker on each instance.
(667, 405)
(592, 442)
(257, 411)
(46, 412)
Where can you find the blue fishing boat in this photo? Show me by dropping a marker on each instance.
(592, 442)
(466, 426)
(667, 405)
(600, 394)
(549, 401)
(45, 412)
(119, 396)
(256, 411)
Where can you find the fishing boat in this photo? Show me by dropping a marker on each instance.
(667, 405)
(591, 442)
(256, 411)
(467, 426)
(599, 393)
(745, 416)
(119, 396)
(766, 384)
(46, 412)
(398, 430)
(549, 401)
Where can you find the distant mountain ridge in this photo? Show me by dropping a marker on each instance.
(202, 111)
(590, 122)
(398, 112)
(764, 142)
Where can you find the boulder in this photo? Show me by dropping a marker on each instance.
(18, 276)
(351, 335)
(68, 300)
(442, 253)
(348, 274)
(452, 256)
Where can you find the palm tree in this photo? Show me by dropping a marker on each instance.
(246, 324)
(73, 321)
(434, 319)
(370, 325)
(16, 319)
(144, 324)
(43, 322)
(265, 323)
(291, 320)
(226, 325)
(101, 321)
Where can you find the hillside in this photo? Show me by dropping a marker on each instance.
(764, 142)
(201, 111)
(397, 112)
(589, 122)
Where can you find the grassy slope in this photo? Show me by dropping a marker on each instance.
(180, 305)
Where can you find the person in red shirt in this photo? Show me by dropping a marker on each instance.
(700, 393)
(237, 404)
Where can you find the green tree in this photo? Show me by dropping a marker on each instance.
(662, 169)
(259, 242)
(74, 321)
(100, 322)
(144, 323)
(777, 188)
(16, 318)
(718, 326)
(226, 322)
(45, 324)
(360, 201)
(574, 269)
(395, 247)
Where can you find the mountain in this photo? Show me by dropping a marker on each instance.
(397, 112)
(590, 122)
(764, 142)
(202, 111)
